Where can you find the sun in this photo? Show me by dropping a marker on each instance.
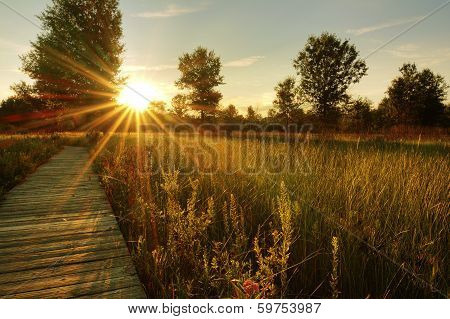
(137, 96)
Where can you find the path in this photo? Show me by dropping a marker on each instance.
(59, 238)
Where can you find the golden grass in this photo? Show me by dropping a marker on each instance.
(263, 217)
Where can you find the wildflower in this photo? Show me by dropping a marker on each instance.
(250, 287)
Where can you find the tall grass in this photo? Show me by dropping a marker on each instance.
(20, 155)
(258, 218)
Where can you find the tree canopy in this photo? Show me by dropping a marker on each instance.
(76, 59)
(415, 97)
(287, 103)
(252, 115)
(200, 75)
(328, 66)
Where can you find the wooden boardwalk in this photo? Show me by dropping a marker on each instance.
(59, 238)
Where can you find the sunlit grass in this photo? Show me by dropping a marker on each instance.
(385, 204)
(21, 155)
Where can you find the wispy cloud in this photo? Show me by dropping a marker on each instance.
(171, 11)
(386, 25)
(244, 61)
(155, 68)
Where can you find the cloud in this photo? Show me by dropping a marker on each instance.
(244, 61)
(156, 68)
(386, 25)
(171, 11)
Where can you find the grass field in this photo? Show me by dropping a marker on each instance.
(20, 155)
(268, 216)
(264, 217)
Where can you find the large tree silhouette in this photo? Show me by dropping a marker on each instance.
(415, 97)
(76, 59)
(287, 103)
(200, 75)
(327, 67)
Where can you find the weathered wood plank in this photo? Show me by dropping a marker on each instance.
(56, 225)
(125, 293)
(96, 265)
(64, 280)
(20, 242)
(57, 245)
(62, 252)
(17, 219)
(12, 266)
(79, 290)
(55, 233)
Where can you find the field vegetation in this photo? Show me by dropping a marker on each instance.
(21, 155)
(268, 217)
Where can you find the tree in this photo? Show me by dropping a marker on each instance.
(415, 97)
(23, 101)
(77, 57)
(252, 115)
(200, 74)
(327, 67)
(230, 119)
(158, 106)
(179, 105)
(358, 114)
(287, 103)
(231, 114)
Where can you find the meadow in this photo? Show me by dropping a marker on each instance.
(21, 155)
(269, 216)
(261, 217)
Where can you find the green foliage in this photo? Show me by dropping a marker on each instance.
(180, 105)
(415, 97)
(231, 115)
(287, 103)
(200, 74)
(327, 67)
(358, 114)
(76, 59)
(252, 115)
(23, 101)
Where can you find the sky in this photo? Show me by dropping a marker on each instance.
(257, 40)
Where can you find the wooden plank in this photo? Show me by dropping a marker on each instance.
(20, 242)
(51, 246)
(37, 197)
(60, 270)
(79, 290)
(12, 236)
(41, 218)
(69, 250)
(64, 280)
(125, 293)
(57, 225)
(63, 198)
(67, 207)
(13, 266)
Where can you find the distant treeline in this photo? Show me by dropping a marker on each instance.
(75, 68)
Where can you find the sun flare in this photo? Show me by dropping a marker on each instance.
(137, 96)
